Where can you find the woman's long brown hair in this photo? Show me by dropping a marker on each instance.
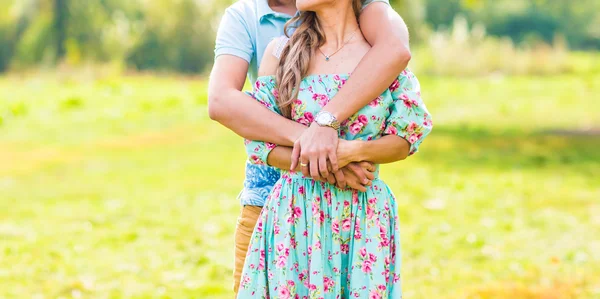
(296, 55)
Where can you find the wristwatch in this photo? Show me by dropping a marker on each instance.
(326, 119)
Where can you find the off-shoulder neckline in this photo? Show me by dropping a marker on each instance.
(345, 75)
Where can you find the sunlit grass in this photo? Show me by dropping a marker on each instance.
(121, 187)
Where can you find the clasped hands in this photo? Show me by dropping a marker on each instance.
(320, 154)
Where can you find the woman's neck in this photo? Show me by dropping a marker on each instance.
(338, 22)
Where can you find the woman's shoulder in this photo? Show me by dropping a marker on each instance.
(270, 60)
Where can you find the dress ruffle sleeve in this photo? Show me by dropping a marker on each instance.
(409, 118)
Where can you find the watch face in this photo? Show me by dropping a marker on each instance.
(324, 119)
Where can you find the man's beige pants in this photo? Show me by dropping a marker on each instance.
(243, 232)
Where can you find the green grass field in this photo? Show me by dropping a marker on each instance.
(121, 187)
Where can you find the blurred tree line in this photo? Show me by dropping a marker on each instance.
(525, 21)
(178, 35)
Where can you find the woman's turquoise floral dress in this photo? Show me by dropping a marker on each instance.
(314, 240)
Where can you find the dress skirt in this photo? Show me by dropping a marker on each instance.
(314, 240)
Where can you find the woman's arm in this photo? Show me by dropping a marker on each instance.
(387, 149)
(280, 157)
(408, 123)
(259, 152)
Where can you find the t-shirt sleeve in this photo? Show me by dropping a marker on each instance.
(409, 118)
(233, 37)
(367, 2)
(264, 93)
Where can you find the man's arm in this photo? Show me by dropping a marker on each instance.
(385, 30)
(227, 104)
(387, 33)
(237, 111)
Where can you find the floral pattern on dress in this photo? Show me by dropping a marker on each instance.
(314, 240)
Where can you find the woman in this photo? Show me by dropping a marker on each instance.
(314, 240)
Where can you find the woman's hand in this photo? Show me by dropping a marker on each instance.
(359, 175)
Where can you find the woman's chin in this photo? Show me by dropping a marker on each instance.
(310, 5)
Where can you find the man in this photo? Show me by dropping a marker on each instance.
(245, 30)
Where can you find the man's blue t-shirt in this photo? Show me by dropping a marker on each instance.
(246, 29)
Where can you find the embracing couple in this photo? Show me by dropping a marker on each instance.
(332, 99)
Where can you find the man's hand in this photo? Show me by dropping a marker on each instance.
(314, 149)
(359, 175)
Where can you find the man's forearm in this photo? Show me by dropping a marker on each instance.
(239, 112)
(248, 118)
(372, 76)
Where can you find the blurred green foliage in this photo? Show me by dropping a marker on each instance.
(524, 21)
(158, 35)
(178, 35)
